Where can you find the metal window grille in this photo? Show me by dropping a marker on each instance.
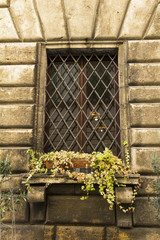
(82, 110)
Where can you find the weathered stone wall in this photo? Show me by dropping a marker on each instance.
(37, 20)
(23, 24)
(17, 101)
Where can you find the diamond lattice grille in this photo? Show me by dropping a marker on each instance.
(82, 111)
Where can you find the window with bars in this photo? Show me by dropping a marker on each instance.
(82, 110)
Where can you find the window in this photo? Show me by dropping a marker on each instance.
(82, 110)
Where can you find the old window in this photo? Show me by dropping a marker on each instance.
(82, 111)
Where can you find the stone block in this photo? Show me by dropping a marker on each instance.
(114, 11)
(16, 116)
(147, 185)
(80, 16)
(145, 136)
(145, 115)
(61, 189)
(49, 232)
(21, 137)
(17, 94)
(32, 232)
(79, 191)
(20, 214)
(79, 233)
(4, 3)
(141, 160)
(154, 29)
(7, 29)
(145, 214)
(18, 158)
(68, 189)
(124, 220)
(14, 182)
(70, 209)
(144, 94)
(132, 234)
(51, 14)
(37, 212)
(136, 18)
(26, 19)
(144, 51)
(17, 75)
(144, 74)
(124, 195)
(17, 53)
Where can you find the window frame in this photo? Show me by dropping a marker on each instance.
(81, 47)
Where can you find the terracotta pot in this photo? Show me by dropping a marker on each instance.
(81, 163)
(49, 164)
(77, 163)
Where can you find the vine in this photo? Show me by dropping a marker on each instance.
(105, 168)
(155, 202)
(8, 200)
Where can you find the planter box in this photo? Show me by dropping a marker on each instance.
(77, 163)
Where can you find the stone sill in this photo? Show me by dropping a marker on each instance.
(38, 182)
(40, 178)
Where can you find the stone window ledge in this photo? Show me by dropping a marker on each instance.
(38, 182)
(41, 178)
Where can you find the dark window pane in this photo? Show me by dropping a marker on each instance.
(82, 103)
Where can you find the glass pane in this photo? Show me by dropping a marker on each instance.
(82, 109)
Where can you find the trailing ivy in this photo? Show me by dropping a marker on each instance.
(8, 200)
(155, 202)
(105, 168)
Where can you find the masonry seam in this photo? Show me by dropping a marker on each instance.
(15, 24)
(148, 25)
(66, 24)
(124, 16)
(95, 19)
(39, 19)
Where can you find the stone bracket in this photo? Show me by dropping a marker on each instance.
(124, 195)
(37, 194)
(37, 201)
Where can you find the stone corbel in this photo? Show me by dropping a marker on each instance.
(37, 194)
(124, 195)
(37, 201)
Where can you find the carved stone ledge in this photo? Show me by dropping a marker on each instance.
(42, 179)
(132, 179)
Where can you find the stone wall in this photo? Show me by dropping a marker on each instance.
(37, 20)
(17, 101)
(26, 24)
